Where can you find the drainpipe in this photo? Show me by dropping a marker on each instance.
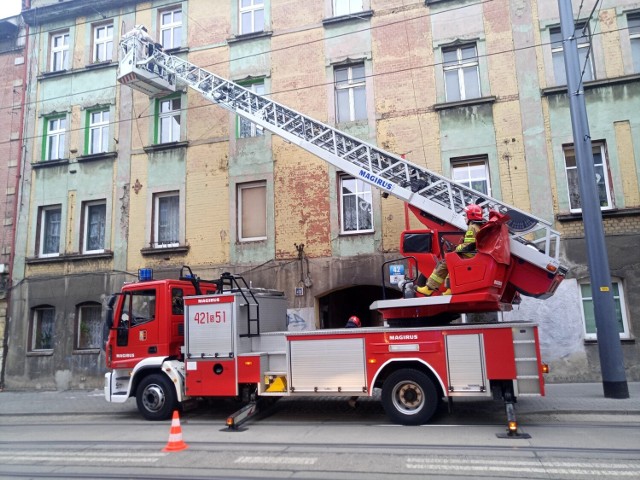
(26, 4)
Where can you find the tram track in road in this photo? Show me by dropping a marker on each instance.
(204, 446)
(314, 461)
(560, 420)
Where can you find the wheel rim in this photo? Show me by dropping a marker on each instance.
(153, 398)
(408, 398)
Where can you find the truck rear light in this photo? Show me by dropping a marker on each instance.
(545, 368)
(552, 268)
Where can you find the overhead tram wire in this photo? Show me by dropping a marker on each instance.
(589, 49)
(226, 62)
(271, 94)
(418, 3)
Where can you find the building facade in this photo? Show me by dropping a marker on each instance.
(114, 181)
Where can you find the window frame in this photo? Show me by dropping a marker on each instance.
(634, 39)
(352, 87)
(357, 194)
(51, 135)
(86, 219)
(171, 27)
(43, 229)
(347, 7)
(106, 42)
(602, 146)
(77, 345)
(254, 130)
(103, 127)
(157, 198)
(621, 307)
(461, 64)
(170, 114)
(251, 9)
(240, 187)
(590, 73)
(57, 63)
(35, 326)
(468, 163)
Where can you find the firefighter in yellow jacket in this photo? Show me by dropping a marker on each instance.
(475, 220)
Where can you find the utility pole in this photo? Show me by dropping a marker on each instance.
(614, 381)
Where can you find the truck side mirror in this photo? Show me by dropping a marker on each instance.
(123, 331)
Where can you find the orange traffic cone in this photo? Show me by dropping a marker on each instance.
(175, 443)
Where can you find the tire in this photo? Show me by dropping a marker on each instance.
(156, 397)
(409, 397)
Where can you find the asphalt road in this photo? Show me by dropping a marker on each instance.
(574, 433)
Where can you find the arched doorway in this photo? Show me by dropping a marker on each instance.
(336, 307)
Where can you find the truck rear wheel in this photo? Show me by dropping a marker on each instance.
(409, 397)
(156, 397)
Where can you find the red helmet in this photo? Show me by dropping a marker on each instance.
(473, 212)
(355, 320)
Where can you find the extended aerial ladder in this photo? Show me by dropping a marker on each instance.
(536, 271)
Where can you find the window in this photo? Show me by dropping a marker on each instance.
(55, 138)
(252, 211)
(49, 227)
(98, 141)
(461, 76)
(42, 322)
(177, 301)
(355, 199)
(345, 7)
(584, 46)
(102, 43)
(166, 220)
(88, 327)
(633, 22)
(142, 306)
(169, 120)
(351, 101)
(245, 127)
(472, 173)
(588, 314)
(251, 16)
(59, 52)
(602, 177)
(171, 28)
(94, 227)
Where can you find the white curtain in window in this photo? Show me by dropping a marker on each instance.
(96, 227)
(52, 220)
(43, 329)
(168, 219)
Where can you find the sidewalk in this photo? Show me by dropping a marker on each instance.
(560, 398)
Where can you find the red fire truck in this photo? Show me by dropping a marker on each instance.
(232, 340)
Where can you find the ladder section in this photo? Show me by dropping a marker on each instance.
(236, 284)
(526, 357)
(426, 190)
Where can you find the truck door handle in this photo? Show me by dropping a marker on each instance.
(153, 350)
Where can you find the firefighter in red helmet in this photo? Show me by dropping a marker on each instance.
(475, 220)
(353, 322)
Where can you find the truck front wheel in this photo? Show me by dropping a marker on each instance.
(409, 397)
(156, 397)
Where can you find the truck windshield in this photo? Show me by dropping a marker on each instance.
(143, 306)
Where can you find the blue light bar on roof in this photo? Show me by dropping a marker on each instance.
(145, 274)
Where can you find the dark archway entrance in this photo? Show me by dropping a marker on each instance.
(336, 307)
